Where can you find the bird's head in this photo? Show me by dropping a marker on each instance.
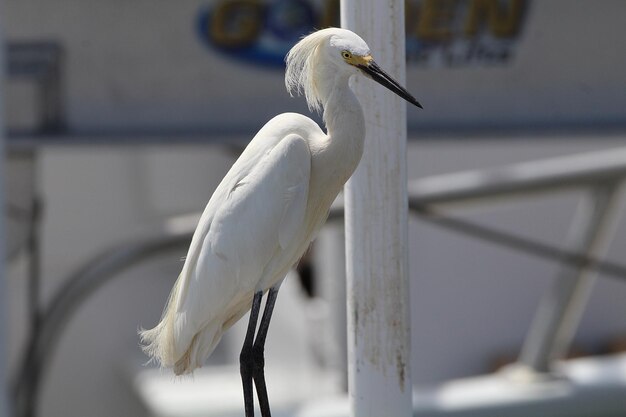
(338, 51)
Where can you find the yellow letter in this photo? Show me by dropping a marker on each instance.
(434, 20)
(503, 21)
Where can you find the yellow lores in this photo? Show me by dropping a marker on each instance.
(356, 60)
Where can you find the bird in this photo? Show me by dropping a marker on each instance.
(266, 211)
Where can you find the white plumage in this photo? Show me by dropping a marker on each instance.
(272, 202)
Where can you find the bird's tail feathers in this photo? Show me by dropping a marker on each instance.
(159, 342)
(170, 346)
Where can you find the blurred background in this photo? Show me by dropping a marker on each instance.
(121, 118)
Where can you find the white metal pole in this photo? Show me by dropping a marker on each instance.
(4, 404)
(379, 348)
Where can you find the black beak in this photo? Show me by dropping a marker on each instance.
(377, 74)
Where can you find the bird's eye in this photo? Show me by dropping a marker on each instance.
(346, 55)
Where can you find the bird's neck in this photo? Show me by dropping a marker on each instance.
(337, 154)
(345, 125)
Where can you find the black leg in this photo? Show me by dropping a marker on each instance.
(246, 358)
(258, 372)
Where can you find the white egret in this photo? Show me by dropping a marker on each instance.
(267, 210)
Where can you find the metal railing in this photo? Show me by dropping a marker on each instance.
(600, 174)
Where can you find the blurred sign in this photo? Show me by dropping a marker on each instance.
(457, 33)
(262, 32)
(448, 33)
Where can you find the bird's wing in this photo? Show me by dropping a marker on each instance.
(296, 192)
(272, 133)
(266, 207)
(259, 210)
